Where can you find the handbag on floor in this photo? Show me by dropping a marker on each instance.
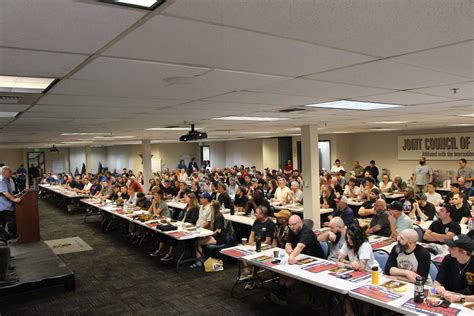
(213, 265)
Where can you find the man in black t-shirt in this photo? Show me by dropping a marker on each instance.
(443, 228)
(407, 201)
(241, 198)
(301, 240)
(408, 259)
(455, 279)
(461, 210)
(224, 197)
(263, 228)
(423, 209)
(380, 225)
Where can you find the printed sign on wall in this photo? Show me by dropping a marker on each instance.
(436, 146)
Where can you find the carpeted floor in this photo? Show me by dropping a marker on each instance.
(117, 278)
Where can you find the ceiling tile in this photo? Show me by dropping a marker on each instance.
(62, 25)
(111, 77)
(18, 62)
(221, 47)
(377, 28)
(455, 59)
(319, 89)
(389, 75)
(402, 97)
(265, 98)
(465, 90)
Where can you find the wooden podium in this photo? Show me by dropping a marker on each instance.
(27, 217)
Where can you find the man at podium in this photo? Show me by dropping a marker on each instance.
(7, 200)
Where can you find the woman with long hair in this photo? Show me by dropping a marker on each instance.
(360, 257)
(218, 238)
(272, 186)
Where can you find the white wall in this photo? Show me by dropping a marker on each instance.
(270, 153)
(381, 147)
(98, 154)
(246, 152)
(12, 157)
(218, 154)
(119, 157)
(77, 156)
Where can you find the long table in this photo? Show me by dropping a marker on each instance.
(293, 208)
(184, 231)
(67, 197)
(318, 272)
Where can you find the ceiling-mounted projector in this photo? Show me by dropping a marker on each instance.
(193, 135)
(54, 149)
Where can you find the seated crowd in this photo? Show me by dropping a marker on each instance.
(248, 190)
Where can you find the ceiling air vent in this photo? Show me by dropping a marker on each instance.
(292, 110)
(10, 99)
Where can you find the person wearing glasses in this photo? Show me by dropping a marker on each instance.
(455, 279)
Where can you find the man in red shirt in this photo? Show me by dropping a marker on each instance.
(135, 185)
(288, 169)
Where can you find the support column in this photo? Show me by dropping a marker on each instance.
(88, 162)
(146, 159)
(310, 161)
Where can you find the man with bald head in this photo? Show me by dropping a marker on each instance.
(301, 240)
(335, 237)
(408, 259)
(380, 225)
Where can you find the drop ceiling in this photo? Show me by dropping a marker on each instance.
(123, 70)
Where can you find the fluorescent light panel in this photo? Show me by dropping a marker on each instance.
(24, 84)
(462, 124)
(84, 134)
(354, 105)
(114, 137)
(250, 118)
(467, 115)
(142, 4)
(8, 114)
(393, 122)
(171, 128)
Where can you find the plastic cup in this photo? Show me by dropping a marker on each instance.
(276, 254)
(244, 241)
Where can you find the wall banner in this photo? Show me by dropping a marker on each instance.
(452, 146)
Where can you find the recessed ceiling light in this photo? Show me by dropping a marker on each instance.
(383, 129)
(114, 137)
(262, 132)
(24, 84)
(8, 114)
(467, 115)
(84, 134)
(170, 128)
(250, 118)
(354, 105)
(393, 122)
(141, 4)
(461, 124)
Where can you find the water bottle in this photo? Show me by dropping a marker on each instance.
(252, 213)
(470, 223)
(375, 275)
(258, 244)
(198, 228)
(414, 218)
(419, 294)
(282, 256)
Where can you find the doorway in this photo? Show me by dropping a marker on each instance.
(36, 167)
(206, 155)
